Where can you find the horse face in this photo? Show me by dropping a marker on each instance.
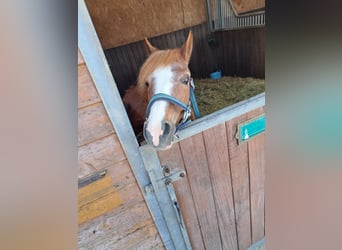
(172, 79)
(164, 116)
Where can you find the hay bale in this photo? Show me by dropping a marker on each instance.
(212, 95)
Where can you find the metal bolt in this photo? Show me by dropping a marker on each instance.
(181, 174)
(168, 182)
(167, 170)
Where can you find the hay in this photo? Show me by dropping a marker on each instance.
(212, 95)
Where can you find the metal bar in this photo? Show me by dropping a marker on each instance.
(94, 57)
(179, 236)
(174, 200)
(91, 178)
(220, 116)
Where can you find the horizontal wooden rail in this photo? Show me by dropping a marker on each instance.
(220, 116)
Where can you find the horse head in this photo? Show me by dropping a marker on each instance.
(166, 78)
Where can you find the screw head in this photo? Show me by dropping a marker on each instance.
(181, 174)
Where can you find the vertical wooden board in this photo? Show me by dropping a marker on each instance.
(194, 156)
(138, 54)
(93, 123)
(219, 167)
(260, 64)
(119, 69)
(116, 70)
(133, 55)
(173, 40)
(173, 159)
(256, 150)
(87, 93)
(238, 155)
(130, 66)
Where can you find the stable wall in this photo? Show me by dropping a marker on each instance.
(128, 224)
(121, 22)
(235, 53)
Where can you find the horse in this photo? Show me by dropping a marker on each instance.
(160, 101)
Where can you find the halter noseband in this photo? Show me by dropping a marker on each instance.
(186, 108)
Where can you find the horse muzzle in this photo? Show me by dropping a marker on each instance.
(160, 138)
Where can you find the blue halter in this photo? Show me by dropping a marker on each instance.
(171, 99)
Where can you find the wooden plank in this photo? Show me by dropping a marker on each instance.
(97, 198)
(243, 6)
(100, 153)
(145, 237)
(87, 93)
(126, 21)
(238, 155)
(113, 227)
(218, 159)
(121, 173)
(173, 159)
(130, 64)
(256, 151)
(93, 123)
(194, 156)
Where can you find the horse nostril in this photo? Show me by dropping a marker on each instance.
(160, 137)
(166, 127)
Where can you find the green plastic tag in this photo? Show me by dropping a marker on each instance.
(251, 128)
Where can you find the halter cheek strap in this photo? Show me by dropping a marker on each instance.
(171, 99)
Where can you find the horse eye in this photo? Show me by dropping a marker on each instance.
(185, 80)
(147, 84)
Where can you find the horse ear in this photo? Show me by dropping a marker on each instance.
(186, 49)
(149, 47)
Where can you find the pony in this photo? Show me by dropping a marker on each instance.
(160, 101)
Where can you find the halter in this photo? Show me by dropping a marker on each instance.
(186, 108)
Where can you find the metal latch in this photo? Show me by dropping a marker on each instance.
(170, 176)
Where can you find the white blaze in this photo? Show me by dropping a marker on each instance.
(162, 84)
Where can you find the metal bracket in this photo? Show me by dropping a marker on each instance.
(169, 177)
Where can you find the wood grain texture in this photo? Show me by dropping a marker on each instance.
(87, 93)
(194, 156)
(121, 173)
(113, 224)
(218, 159)
(243, 6)
(256, 151)
(173, 159)
(97, 198)
(240, 180)
(126, 21)
(100, 153)
(93, 123)
(132, 226)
